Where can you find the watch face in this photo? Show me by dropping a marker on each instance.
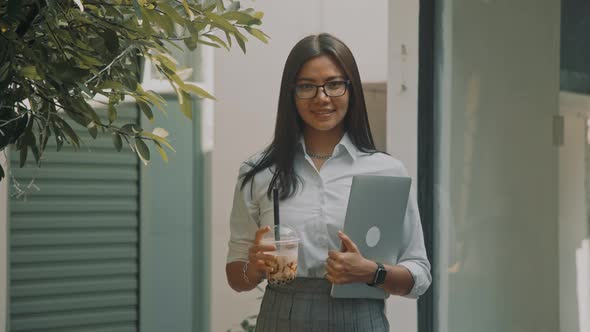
(381, 272)
(379, 277)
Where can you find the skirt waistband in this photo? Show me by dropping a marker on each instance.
(304, 285)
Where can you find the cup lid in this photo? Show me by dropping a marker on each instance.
(286, 234)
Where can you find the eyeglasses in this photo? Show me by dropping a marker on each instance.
(331, 89)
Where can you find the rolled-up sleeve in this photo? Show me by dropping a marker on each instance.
(243, 221)
(413, 255)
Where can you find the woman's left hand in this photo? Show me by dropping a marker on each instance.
(348, 265)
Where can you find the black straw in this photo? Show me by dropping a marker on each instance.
(275, 198)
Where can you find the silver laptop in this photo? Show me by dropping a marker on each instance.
(375, 221)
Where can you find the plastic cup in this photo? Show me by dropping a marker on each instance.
(284, 265)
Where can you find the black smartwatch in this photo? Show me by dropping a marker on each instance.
(379, 277)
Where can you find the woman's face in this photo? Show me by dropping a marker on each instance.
(322, 113)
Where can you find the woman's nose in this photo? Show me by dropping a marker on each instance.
(321, 95)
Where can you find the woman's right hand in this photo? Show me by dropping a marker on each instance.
(257, 266)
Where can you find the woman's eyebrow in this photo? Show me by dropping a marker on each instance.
(327, 79)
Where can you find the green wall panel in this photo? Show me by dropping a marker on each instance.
(74, 244)
(79, 260)
(174, 293)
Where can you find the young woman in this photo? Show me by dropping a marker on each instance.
(322, 139)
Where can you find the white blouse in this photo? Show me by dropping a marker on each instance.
(317, 210)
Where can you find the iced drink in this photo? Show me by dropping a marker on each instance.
(284, 265)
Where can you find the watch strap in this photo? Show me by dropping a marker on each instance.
(379, 276)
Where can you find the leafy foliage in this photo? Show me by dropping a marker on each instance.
(57, 55)
(247, 325)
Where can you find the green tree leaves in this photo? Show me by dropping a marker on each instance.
(57, 55)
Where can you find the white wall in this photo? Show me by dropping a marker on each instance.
(3, 244)
(362, 25)
(573, 227)
(247, 88)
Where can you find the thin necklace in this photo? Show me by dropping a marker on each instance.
(319, 156)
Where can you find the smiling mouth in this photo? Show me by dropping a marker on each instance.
(323, 112)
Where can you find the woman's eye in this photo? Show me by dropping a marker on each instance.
(334, 85)
(306, 86)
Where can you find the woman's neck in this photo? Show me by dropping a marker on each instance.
(321, 142)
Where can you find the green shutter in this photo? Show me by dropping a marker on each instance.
(73, 261)
(175, 242)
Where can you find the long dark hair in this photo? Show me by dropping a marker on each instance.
(289, 126)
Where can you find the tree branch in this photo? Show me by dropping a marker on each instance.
(6, 123)
(127, 50)
(59, 45)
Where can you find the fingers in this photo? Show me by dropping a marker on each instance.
(335, 280)
(262, 247)
(256, 253)
(330, 278)
(331, 262)
(262, 262)
(334, 266)
(347, 242)
(260, 234)
(331, 269)
(335, 271)
(334, 254)
(257, 247)
(258, 256)
(263, 267)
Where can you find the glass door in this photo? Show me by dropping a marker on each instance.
(496, 165)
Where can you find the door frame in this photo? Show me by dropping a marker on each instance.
(4, 238)
(426, 150)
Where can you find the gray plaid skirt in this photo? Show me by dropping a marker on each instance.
(305, 305)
